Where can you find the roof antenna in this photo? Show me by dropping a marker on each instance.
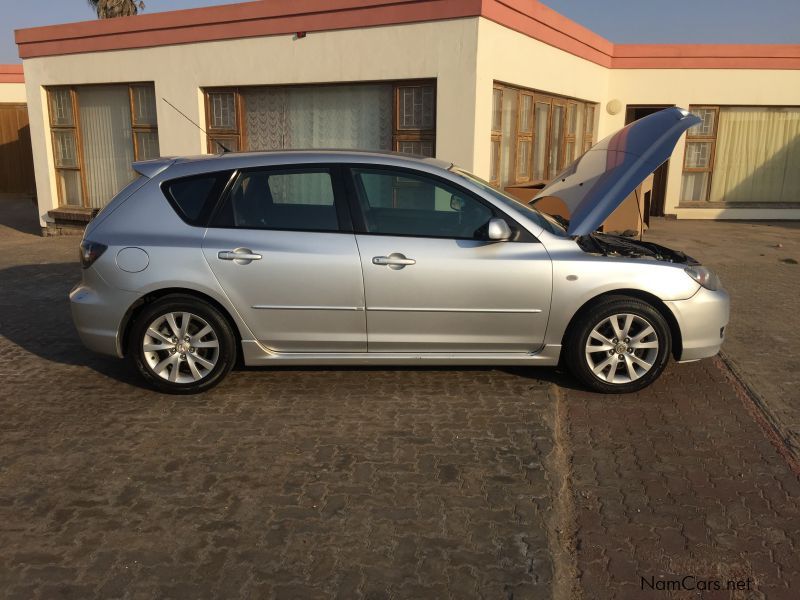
(180, 112)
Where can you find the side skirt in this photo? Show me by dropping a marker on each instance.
(255, 355)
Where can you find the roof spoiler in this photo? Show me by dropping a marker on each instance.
(151, 168)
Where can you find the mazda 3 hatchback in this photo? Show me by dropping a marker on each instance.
(355, 258)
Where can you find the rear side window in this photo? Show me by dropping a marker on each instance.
(297, 199)
(194, 197)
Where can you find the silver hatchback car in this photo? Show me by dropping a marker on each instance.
(354, 258)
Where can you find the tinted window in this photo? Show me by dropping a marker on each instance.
(544, 221)
(402, 203)
(300, 200)
(191, 196)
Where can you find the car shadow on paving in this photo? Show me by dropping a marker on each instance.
(19, 214)
(35, 317)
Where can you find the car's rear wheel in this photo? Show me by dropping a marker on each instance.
(182, 345)
(618, 345)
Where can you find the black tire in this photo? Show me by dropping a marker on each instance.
(575, 346)
(201, 314)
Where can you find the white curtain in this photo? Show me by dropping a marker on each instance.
(757, 155)
(508, 138)
(336, 116)
(105, 116)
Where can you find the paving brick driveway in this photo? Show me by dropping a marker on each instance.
(758, 264)
(364, 483)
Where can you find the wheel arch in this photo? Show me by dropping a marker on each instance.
(652, 300)
(136, 308)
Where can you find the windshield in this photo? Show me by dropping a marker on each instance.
(543, 220)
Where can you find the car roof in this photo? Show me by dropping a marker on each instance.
(233, 159)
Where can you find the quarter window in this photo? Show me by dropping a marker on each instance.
(411, 204)
(193, 197)
(281, 199)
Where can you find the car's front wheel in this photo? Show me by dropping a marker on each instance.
(618, 345)
(182, 345)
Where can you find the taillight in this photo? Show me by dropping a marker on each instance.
(90, 252)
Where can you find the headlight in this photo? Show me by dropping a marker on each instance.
(704, 276)
(90, 252)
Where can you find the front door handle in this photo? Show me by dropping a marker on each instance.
(393, 261)
(241, 256)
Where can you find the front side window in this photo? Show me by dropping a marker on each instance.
(412, 204)
(297, 200)
(543, 220)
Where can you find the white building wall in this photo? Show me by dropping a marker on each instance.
(444, 50)
(12, 93)
(682, 87)
(465, 56)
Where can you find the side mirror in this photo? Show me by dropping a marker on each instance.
(498, 230)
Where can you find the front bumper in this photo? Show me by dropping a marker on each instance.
(98, 311)
(702, 320)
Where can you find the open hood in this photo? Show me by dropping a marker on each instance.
(600, 180)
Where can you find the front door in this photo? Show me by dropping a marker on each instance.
(433, 282)
(287, 261)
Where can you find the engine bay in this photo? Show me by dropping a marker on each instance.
(608, 244)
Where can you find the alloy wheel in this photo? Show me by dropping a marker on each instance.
(622, 348)
(181, 347)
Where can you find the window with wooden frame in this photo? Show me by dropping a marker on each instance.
(497, 134)
(698, 157)
(588, 128)
(415, 118)
(524, 145)
(555, 155)
(535, 135)
(64, 131)
(571, 133)
(742, 156)
(223, 119)
(144, 121)
(399, 116)
(97, 132)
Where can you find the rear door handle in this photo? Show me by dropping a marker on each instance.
(241, 256)
(394, 261)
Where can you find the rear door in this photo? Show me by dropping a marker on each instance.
(433, 282)
(282, 247)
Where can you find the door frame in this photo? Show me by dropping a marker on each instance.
(660, 175)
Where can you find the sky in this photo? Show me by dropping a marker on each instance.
(621, 21)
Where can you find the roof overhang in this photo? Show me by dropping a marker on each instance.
(282, 17)
(11, 74)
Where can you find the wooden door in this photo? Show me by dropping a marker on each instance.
(16, 158)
